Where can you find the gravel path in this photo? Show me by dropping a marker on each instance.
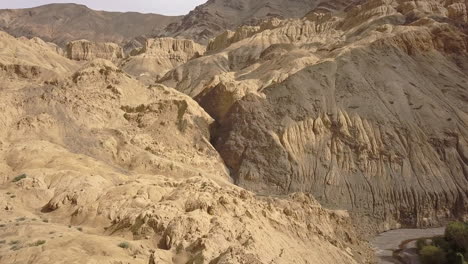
(403, 240)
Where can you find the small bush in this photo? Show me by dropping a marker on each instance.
(45, 220)
(2, 241)
(21, 219)
(19, 178)
(442, 243)
(14, 242)
(79, 229)
(37, 243)
(16, 247)
(124, 245)
(432, 255)
(457, 234)
(460, 259)
(420, 243)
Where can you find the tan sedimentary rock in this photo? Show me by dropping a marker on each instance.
(457, 11)
(62, 22)
(214, 17)
(227, 38)
(126, 168)
(367, 12)
(365, 109)
(21, 58)
(49, 45)
(362, 107)
(414, 7)
(84, 50)
(171, 45)
(188, 220)
(160, 55)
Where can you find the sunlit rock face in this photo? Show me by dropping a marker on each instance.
(158, 56)
(92, 158)
(215, 16)
(84, 50)
(301, 129)
(366, 108)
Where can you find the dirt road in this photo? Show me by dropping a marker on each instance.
(402, 242)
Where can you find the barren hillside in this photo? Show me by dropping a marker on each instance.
(101, 167)
(212, 18)
(366, 108)
(61, 23)
(300, 128)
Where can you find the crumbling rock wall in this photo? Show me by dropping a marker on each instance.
(159, 55)
(84, 50)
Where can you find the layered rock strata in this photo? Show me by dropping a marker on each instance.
(158, 56)
(84, 50)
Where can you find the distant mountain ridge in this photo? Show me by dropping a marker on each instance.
(61, 23)
(215, 16)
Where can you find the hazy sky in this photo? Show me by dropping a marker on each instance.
(165, 7)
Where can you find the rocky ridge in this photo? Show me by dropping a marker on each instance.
(98, 160)
(158, 56)
(31, 59)
(215, 16)
(360, 107)
(365, 109)
(62, 23)
(84, 50)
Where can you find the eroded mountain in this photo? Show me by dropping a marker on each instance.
(366, 108)
(61, 23)
(96, 165)
(215, 16)
(225, 153)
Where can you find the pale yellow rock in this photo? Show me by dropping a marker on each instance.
(160, 55)
(382, 82)
(21, 58)
(360, 105)
(97, 166)
(84, 50)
